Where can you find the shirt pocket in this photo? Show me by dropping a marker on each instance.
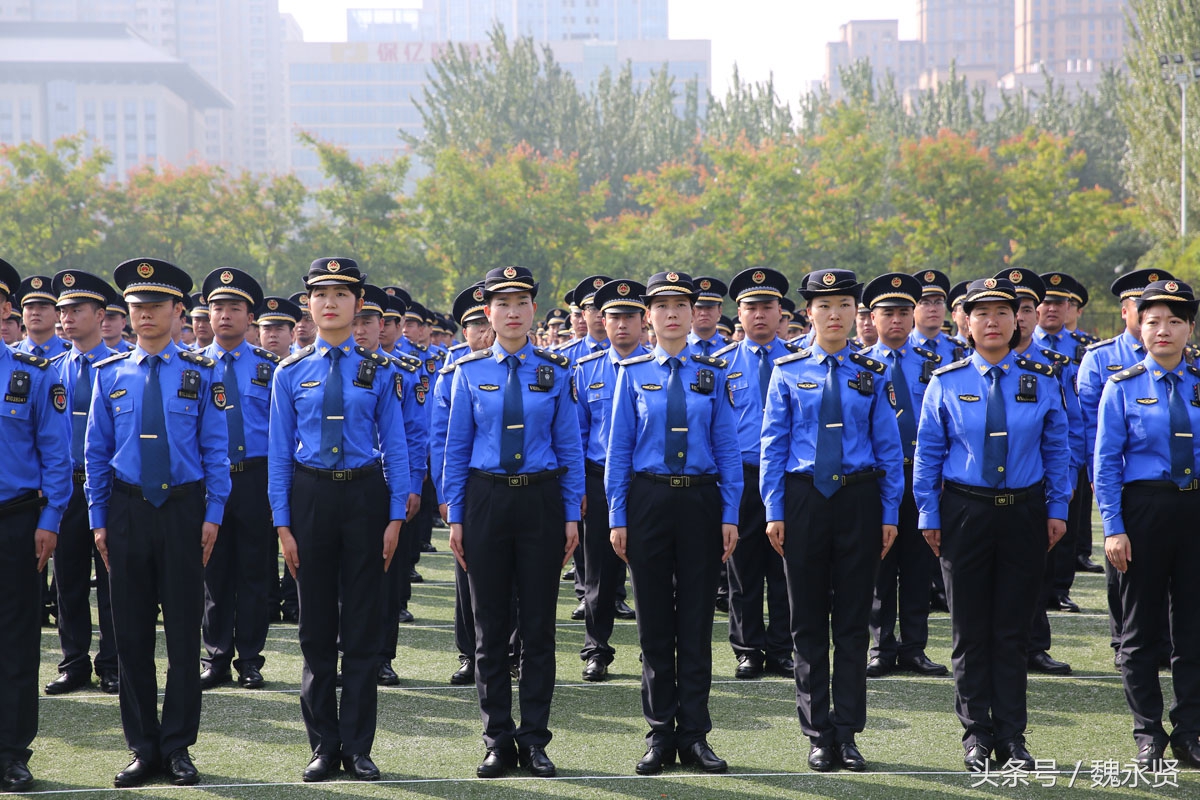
(124, 418)
(258, 397)
(17, 411)
(183, 406)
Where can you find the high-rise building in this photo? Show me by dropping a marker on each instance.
(549, 20)
(976, 35)
(1068, 36)
(879, 42)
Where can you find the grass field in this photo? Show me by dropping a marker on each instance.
(252, 743)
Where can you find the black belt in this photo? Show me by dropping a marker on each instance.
(997, 497)
(593, 468)
(1171, 485)
(520, 479)
(136, 491)
(845, 480)
(24, 502)
(680, 481)
(750, 467)
(79, 476)
(356, 474)
(247, 464)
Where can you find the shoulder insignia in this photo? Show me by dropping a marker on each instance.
(267, 354)
(591, 357)
(303, 353)
(459, 346)
(553, 358)
(402, 364)
(379, 359)
(799, 355)
(1194, 370)
(793, 347)
(32, 360)
(1056, 357)
(476, 356)
(962, 362)
(928, 355)
(61, 355)
(1102, 343)
(196, 358)
(446, 370)
(856, 345)
(1035, 366)
(628, 362)
(1124, 375)
(113, 358)
(726, 349)
(957, 342)
(409, 359)
(1083, 338)
(878, 367)
(710, 361)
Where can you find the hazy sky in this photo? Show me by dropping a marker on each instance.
(784, 37)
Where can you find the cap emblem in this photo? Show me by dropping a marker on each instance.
(829, 279)
(226, 277)
(989, 283)
(672, 277)
(896, 283)
(1015, 276)
(510, 272)
(759, 276)
(623, 289)
(706, 284)
(930, 277)
(144, 270)
(596, 284)
(1055, 280)
(1153, 276)
(68, 280)
(304, 301)
(273, 304)
(1171, 286)
(36, 283)
(333, 266)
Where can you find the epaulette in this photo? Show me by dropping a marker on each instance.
(1126, 374)
(458, 347)
(1056, 357)
(793, 347)
(196, 358)
(404, 365)
(409, 359)
(32, 360)
(957, 342)
(267, 354)
(629, 362)
(1191, 350)
(726, 349)
(378, 358)
(1035, 366)
(446, 370)
(63, 354)
(440, 355)
(875, 366)
(553, 358)
(112, 358)
(1102, 343)
(711, 361)
(953, 365)
(1194, 370)
(799, 355)
(303, 353)
(928, 355)
(1083, 338)
(856, 344)
(478, 354)
(590, 357)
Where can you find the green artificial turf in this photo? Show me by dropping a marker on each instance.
(252, 743)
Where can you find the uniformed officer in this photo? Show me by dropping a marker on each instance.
(82, 298)
(37, 300)
(710, 294)
(276, 319)
(35, 489)
(201, 322)
(417, 328)
(991, 480)
(157, 468)
(338, 481)
(954, 299)
(113, 328)
(306, 328)
(754, 563)
(864, 327)
(513, 479)
(832, 496)
(673, 482)
(902, 588)
(725, 329)
(238, 577)
(1146, 484)
(930, 311)
(623, 310)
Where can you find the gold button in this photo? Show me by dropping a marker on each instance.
(165, 486)
(335, 449)
(999, 469)
(835, 477)
(680, 454)
(518, 455)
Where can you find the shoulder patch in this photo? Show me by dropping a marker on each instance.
(553, 358)
(1035, 366)
(962, 362)
(402, 364)
(628, 362)
(1124, 375)
(591, 357)
(1195, 371)
(1056, 357)
(196, 358)
(928, 355)
(726, 349)
(381, 360)
(112, 359)
(31, 360)
(876, 366)
(298, 356)
(799, 355)
(1102, 343)
(710, 361)
(267, 354)
(477, 355)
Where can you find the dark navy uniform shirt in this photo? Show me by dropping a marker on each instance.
(37, 446)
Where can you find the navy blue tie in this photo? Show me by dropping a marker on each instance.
(512, 438)
(1183, 458)
(827, 465)
(81, 400)
(39, 351)
(995, 435)
(904, 412)
(706, 345)
(332, 412)
(233, 413)
(675, 451)
(764, 373)
(155, 451)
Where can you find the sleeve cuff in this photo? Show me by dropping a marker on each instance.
(616, 519)
(774, 513)
(455, 514)
(398, 508)
(1056, 511)
(928, 521)
(49, 519)
(98, 517)
(1114, 526)
(214, 512)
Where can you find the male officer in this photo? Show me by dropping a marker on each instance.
(201, 321)
(705, 339)
(238, 577)
(10, 328)
(306, 329)
(112, 330)
(928, 316)
(40, 316)
(157, 467)
(35, 488)
(82, 299)
(277, 320)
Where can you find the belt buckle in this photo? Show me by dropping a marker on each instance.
(238, 467)
(1191, 487)
(341, 474)
(1005, 500)
(518, 480)
(679, 481)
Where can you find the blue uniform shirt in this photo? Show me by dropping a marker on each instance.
(66, 369)
(745, 393)
(941, 344)
(439, 421)
(476, 421)
(414, 388)
(1067, 372)
(1134, 433)
(578, 348)
(196, 431)
(595, 381)
(870, 436)
(637, 439)
(54, 346)
(373, 427)
(456, 352)
(37, 445)
(1101, 361)
(122, 346)
(715, 343)
(254, 368)
(952, 428)
(912, 361)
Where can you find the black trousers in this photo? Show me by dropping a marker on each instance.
(1083, 531)
(74, 557)
(156, 558)
(289, 600)
(397, 590)
(20, 635)
(1064, 555)
(604, 576)
(339, 534)
(464, 620)
(674, 547)
(513, 540)
(993, 558)
(239, 575)
(902, 588)
(1166, 558)
(831, 556)
(755, 563)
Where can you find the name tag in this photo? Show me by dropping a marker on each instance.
(596, 385)
(969, 398)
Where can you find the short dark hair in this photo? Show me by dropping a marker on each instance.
(1185, 311)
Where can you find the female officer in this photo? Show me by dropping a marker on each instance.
(513, 479)
(1145, 478)
(674, 482)
(832, 477)
(991, 483)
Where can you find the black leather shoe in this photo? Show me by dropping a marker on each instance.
(595, 669)
(497, 762)
(68, 682)
(699, 754)
(291, 615)
(465, 674)
(1118, 660)
(180, 768)
(1085, 564)
(1187, 751)
(405, 615)
(850, 757)
(415, 577)
(821, 758)
(387, 675)
(784, 667)
(250, 678)
(623, 611)
(1015, 751)
(749, 666)
(978, 759)
(877, 667)
(1064, 603)
(1151, 755)
(1042, 662)
(569, 575)
(427, 547)
(211, 678)
(921, 665)
(110, 681)
(655, 759)
(938, 602)
(321, 767)
(536, 761)
(722, 603)
(137, 773)
(580, 611)
(16, 776)
(514, 670)
(361, 767)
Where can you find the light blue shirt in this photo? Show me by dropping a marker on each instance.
(1101, 361)
(254, 369)
(595, 383)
